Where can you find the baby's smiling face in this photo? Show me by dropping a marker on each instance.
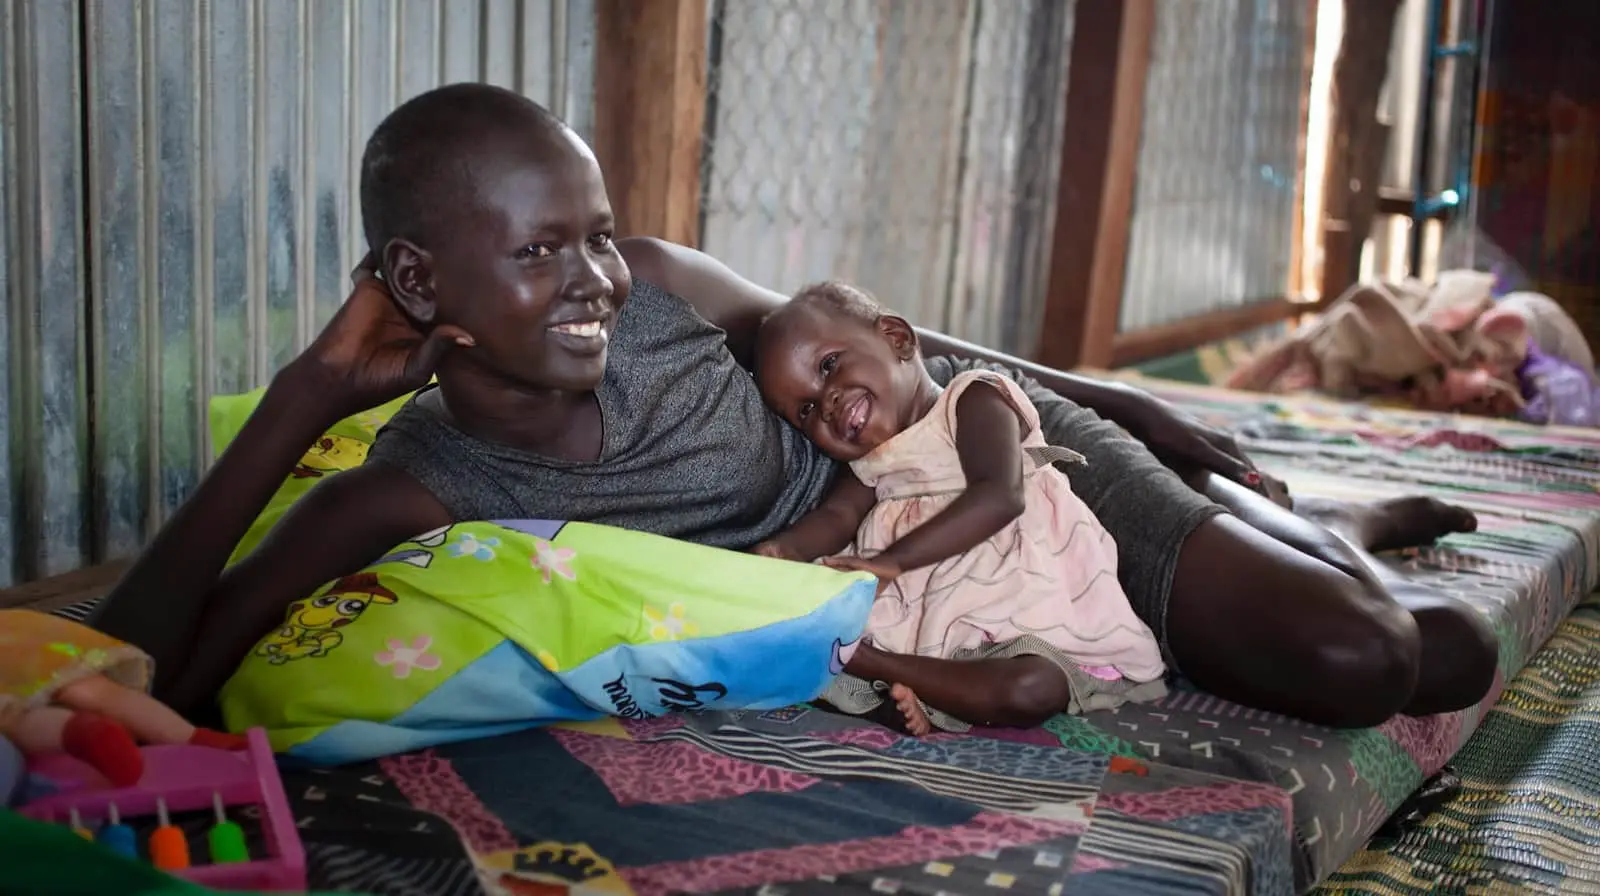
(844, 381)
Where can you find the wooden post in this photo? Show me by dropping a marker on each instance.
(1094, 198)
(1355, 158)
(1298, 262)
(649, 113)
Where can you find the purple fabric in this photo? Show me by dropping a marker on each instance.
(1502, 283)
(1557, 391)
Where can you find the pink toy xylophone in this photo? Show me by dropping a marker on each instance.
(179, 779)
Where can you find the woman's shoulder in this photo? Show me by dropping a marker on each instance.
(660, 329)
(421, 445)
(658, 306)
(658, 268)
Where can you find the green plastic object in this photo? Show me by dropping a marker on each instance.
(227, 844)
(40, 857)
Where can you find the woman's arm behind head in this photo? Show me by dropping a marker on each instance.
(736, 305)
(725, 299)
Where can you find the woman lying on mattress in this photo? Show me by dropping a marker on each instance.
(584, 379)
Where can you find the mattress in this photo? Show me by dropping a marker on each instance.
(1533, 557)
(1527, 818)
(1190, 795)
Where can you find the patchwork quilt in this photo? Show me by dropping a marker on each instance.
(1190, 795)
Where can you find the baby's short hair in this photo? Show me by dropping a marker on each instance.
(418, 165)
(833, 295)
(828, 296)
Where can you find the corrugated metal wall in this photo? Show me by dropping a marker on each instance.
(1213, 219)
(179, 217)
(912, 148)
(908, 147)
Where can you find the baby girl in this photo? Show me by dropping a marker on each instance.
(998, 594)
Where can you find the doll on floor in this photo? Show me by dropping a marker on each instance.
(66, 688)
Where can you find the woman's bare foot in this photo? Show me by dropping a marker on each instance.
(916, 720)
(1406, 522)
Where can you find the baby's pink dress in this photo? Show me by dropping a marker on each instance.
(1050, 574)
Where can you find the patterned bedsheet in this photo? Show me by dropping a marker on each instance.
(1533, 558)
(1192, 795)
(1527, 819)
(790, 801)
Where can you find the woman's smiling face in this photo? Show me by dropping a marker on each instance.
(532, 273)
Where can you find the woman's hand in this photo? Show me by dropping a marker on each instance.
(370, 352)
(1182, 441)
(886, 571)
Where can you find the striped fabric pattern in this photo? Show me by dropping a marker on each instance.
(78, 612)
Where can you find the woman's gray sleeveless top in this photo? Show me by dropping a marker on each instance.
(689, 452)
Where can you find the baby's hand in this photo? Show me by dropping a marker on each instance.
(775, 549)
(886, 571)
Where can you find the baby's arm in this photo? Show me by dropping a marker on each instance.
(989, 444)
(829, 528)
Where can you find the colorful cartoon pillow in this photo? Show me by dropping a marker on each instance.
(343, 447)
(487, 627)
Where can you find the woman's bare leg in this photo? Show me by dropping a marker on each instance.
(1459, 649)
(1275, 611)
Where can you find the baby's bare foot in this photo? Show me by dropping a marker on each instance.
(916, 720)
